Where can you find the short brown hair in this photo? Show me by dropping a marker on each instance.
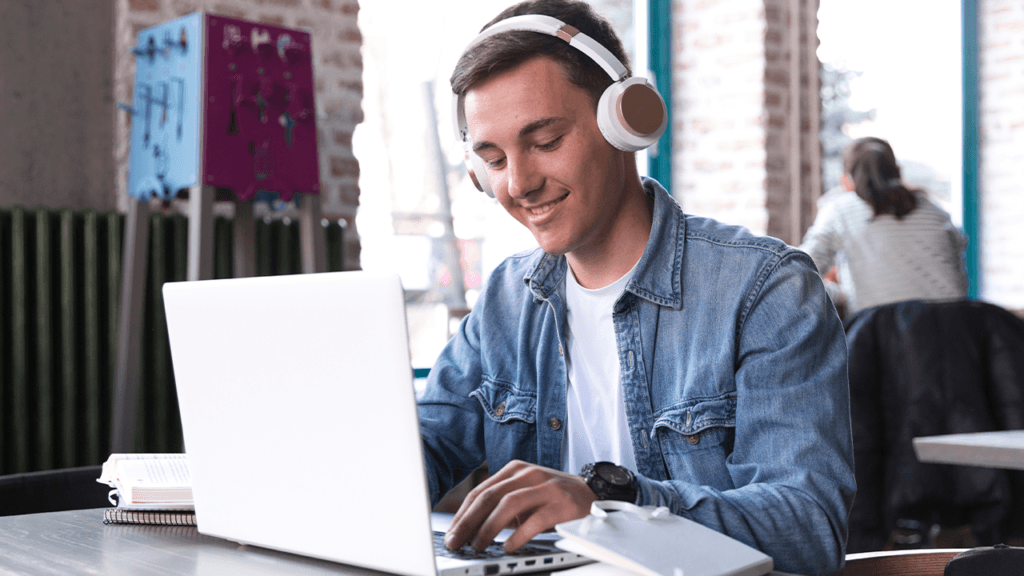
(507, 50)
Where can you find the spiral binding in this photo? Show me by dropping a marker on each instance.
(161, 517)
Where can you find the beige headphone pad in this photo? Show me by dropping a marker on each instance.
(639, 109)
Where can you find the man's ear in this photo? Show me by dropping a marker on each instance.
(847, 183)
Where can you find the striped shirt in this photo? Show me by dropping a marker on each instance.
(917, 258)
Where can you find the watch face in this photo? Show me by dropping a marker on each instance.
(614, 475)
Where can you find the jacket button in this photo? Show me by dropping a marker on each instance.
(555, 424)
(500, 410)
(693, 438)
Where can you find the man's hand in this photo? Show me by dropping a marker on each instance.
(523, 496)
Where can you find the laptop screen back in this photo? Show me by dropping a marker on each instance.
(299, 416)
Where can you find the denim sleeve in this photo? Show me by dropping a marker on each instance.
(792, 460)
(450, 419)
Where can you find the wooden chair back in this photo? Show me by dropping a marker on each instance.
(929, 562)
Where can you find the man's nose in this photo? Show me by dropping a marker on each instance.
(523, 176)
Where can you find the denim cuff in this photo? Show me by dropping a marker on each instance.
(654, 493)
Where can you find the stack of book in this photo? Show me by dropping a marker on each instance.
(148, 489)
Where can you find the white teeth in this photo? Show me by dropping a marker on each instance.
(544, 209)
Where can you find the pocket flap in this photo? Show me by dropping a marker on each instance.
(502, 403)
(695, 416)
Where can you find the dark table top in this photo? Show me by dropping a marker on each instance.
(77, 542)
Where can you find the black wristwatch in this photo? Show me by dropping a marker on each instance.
(610, 481)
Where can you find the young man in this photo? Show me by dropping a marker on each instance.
(679, 361)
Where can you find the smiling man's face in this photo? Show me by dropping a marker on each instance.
(547, 162)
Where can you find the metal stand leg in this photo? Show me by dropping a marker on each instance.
(200, 233)
(129, 337)
(245, 240)
(311, 231)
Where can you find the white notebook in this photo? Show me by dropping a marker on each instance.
(650, 541)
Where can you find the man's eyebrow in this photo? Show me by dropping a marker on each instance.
(479, 147)
(538, 125)
(525, 131)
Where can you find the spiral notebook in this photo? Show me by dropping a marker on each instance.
(300, 422)
(162, 517)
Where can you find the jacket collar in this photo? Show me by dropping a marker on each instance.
(658, 275)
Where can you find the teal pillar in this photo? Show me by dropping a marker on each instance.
(659, 47)
(971, 193)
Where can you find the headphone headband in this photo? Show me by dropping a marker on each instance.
(555, 27)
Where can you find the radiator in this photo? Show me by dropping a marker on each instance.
(60, 279)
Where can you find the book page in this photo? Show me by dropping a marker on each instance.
(154, 472)
(149, 479)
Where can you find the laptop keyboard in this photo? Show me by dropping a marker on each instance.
(495, 550)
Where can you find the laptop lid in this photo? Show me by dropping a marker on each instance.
(299, 416)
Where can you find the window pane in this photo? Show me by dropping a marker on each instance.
(905, 63)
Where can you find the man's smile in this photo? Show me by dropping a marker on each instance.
(542, 209)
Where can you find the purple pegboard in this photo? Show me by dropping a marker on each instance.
(259, 113)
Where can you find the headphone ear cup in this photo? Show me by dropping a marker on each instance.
(631, 114)
(477, 170)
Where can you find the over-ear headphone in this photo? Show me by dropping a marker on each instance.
(631, 114)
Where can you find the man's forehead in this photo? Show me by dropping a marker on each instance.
(535, 89)
(535, 72)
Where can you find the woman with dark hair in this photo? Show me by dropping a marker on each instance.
(897, 243)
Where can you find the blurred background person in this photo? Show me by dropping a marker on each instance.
(839, 274)
(897, 244)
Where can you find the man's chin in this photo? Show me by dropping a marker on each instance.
(549, 247)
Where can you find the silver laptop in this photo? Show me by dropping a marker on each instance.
(300, 423)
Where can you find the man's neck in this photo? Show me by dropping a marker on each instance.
(605, 263)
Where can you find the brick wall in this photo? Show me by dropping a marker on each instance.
(1001, 93)
(731, 100)
(718, 99)
(337, 65)
(792, 102)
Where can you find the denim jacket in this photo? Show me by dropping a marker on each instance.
(733, 364)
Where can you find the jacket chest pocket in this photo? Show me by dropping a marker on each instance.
(696, 438)
(510, 417)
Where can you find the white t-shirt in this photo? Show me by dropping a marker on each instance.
(596, 428)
